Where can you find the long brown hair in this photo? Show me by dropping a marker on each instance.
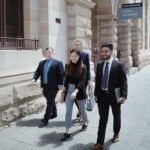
(79, 64)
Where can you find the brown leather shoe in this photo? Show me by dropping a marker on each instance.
(97, 146)
(115, 138)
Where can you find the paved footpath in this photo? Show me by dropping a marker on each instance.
(24, 134)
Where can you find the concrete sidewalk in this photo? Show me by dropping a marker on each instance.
(135, 133)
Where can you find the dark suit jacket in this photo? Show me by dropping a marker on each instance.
(80, 85)
(117, 79)
(86, 61)
(55, 74)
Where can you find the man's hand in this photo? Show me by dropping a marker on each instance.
(95, 98)
(122, 100)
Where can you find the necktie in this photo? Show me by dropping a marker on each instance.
(46, 68)
(105, 76)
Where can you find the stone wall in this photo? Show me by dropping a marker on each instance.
(53, 25)
(13, 60)
(107, 31)
(31, 25)
(144, 59)
(19, 100)
(79, 22)
(94, 28)
(124, 44)
(136, 39)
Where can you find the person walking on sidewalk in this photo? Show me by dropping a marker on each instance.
(110, 76)
(51, 72)
(86, 61)
(74, 87)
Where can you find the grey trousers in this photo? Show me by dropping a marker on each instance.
(69, 107)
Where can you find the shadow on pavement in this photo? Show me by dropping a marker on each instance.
(36, 122)
(28, 123)
(55, 124)
(81, 146)
(55, 138)
(50, 138)
(107, 145)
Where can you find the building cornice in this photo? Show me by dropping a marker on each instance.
(106, 17)
(84, 3)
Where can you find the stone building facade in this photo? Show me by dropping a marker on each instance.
(57, 23)
(130, 37)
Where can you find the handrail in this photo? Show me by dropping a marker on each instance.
(18, 43)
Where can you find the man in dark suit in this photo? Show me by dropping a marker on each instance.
(51, 73)
(110, 76)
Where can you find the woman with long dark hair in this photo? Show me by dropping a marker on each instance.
(75, 90)
(77, 44)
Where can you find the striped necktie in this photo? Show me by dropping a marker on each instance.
(105, 76)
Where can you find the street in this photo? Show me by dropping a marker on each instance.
(25, 134)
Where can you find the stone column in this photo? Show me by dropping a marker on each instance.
(124, 44)
(44, 23)
(149, 26)
(107, 31)
(30, 19)
(79, 22)
(136, 41)
(94, 28)
(143, 27)
(146, 25)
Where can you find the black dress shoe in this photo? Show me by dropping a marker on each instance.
(65, 136)
(84, 127)
(44, 122)
(53, 116)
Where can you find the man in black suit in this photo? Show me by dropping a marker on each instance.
(110, 76)
(51, 73)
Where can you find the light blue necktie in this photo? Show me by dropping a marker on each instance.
(105, 76)
(46, 69)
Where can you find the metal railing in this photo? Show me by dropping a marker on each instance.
(18, 43)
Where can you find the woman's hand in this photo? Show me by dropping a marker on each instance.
(74, 94)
